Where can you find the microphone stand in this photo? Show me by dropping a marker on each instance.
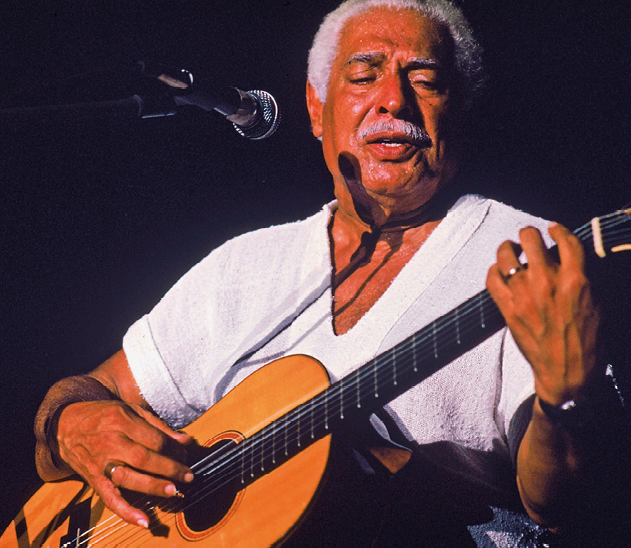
(178, 93)
(123, 109)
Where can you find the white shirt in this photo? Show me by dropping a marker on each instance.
(267, 294)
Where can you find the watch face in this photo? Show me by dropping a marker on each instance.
(568, 405)
(568, 415)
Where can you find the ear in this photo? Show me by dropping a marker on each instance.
(315, 106)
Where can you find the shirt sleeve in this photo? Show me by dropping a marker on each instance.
(177, 331)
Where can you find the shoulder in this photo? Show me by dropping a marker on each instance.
(253, 257)
(276, 247)
(495, 210)
(515, 217)
(500, 219)
(288, 234)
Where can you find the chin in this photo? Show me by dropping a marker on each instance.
(400, 188)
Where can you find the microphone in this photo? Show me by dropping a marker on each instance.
(254, 114)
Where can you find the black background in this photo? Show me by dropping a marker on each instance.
(99, 218)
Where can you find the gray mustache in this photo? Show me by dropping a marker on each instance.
(410, 130)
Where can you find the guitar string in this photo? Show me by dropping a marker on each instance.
(606, 221)
(299, 418)
(449, 319)
(310, 411)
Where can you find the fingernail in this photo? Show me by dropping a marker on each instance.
(188, 478)
(170, 490)
(143, 523)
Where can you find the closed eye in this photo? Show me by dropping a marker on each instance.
(361, 78)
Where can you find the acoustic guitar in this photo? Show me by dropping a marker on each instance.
(265, 460)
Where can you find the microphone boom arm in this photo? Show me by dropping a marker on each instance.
(254, 114)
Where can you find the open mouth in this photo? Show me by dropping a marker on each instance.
(397, 140)
(395, 146)
(389, 143)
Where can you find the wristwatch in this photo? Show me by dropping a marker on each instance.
(569, 415)
(593, 415)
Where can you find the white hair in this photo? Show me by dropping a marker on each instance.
(467, 51)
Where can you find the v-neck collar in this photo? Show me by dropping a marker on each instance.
(434, 255)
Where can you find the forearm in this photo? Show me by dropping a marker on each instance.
(549, 466)
(65, 392)
(567, 464)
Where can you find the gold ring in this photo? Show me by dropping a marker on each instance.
(514, 270)
(109, 470)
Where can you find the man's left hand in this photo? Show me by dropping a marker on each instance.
(549, 309)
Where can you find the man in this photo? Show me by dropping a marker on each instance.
(389, 87)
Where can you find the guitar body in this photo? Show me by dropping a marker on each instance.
(262, 514)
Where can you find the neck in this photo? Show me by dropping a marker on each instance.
(355, 243)
(365, 262)
(352, 219)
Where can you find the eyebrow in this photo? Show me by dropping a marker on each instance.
(374, 58)
(423, 63)
(365, 58)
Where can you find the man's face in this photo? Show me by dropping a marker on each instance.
(392, 72)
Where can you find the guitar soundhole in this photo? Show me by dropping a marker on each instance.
(207, 503)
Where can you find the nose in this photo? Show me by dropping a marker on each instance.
(394, 97)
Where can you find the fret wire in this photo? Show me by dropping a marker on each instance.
(394, 365)
(457, 326)
(342, 399)
(376, 389)
(252, 464)
(414, 358)
(243, 465)
(262, 458)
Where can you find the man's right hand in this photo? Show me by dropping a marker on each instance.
(142, 453)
